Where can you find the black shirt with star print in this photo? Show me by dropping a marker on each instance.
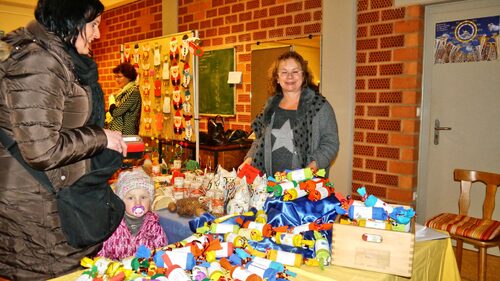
(282, 139)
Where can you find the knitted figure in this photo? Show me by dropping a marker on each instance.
(139, 226)
(165, 72)
(157, 56)
(186, 76)
(126, 53)
(178, 127)
(147, 124)
(187, 110)
(146, 106)
(157, 85)
(145, 60)
(184, 48)
(175, 75)
(174, 50)
(177, 99)
(188, 131)
(146, 88)
(159, 121)
(166, 105)
(136, 55)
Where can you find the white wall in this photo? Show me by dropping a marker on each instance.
(338, 51)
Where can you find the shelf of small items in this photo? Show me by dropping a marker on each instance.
(229, 155)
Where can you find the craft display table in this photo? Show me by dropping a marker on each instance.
(434, 261)
(176, 227)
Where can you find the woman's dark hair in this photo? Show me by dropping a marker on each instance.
(308, 77)
(127, 70)
(67, 18)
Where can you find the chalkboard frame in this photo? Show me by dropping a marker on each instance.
(213, 69)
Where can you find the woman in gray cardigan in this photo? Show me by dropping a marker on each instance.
(297, 127)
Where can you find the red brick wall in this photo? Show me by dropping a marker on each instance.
(388, 93)
(132, 22)
(240, 24)
(388, 70)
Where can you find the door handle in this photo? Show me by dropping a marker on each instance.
(437, 128)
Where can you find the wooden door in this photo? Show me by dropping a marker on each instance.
(464, 97)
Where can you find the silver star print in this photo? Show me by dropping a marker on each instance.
(284, 137)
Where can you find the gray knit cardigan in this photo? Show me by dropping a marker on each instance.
(315, 135)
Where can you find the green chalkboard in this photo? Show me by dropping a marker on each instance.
(216, 96)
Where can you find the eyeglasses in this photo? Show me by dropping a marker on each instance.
(294, 73)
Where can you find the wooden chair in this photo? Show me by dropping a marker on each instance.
(482, 233)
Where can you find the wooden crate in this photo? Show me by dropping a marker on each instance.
(392, 252)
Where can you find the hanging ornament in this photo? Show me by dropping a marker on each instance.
(175, 76)
(176, 98)
(157, 56)
(159, 122)
(165, 72)
(187, 107)
(166, 105)
(157, 108)
(137, 79)
(189, 131)
(147, 106)
(147, 124)
(126, 53)
(157, 84)
(184, 48)
(189, 128)
(136, 55)
(145, 89)
(187, 117)
(194, 46)
(186, 76)
(145, 60)
(174, 50)
(145, 52)
(145, 68)
(187, 95)
(178, 128)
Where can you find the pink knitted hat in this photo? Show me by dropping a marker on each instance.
(135, 179)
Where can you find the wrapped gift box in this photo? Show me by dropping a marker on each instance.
(135, 146)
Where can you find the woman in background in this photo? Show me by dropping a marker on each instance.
(297, 128)
(126, 111)
(45, 108)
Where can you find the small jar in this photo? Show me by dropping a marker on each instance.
(178, 188)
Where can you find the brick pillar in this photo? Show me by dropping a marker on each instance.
(388, 93)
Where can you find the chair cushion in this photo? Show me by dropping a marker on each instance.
(466, 226)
